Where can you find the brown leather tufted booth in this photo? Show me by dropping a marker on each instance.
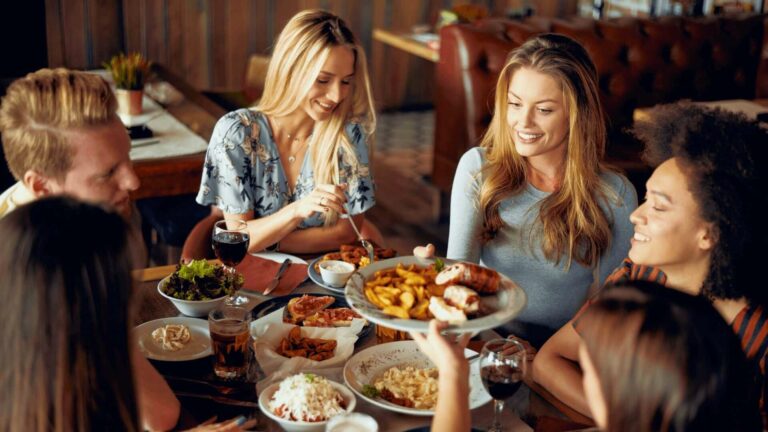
(641, 63)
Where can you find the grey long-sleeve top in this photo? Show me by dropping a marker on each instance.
(554, 293)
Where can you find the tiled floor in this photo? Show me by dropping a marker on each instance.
(407, 209)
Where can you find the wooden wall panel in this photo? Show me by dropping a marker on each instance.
(54, 35)
(196, 50)
(220, 55)
(155, 42)
(105, 30)
(174, 27)
(241, 29)
(73, 28)
(208, 42)
(132, 25)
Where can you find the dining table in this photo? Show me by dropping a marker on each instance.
(202, 396)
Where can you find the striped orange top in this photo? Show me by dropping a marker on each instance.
(750, 325)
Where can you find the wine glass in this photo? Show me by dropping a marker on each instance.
(502, 364)
(230, 244)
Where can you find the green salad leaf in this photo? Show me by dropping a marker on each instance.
(439, 265)
(371, 391)
(196, 269)
(201, 280)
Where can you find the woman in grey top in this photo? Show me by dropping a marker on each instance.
(534, 200)
(297, 161)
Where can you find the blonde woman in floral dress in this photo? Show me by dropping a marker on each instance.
(295, 163)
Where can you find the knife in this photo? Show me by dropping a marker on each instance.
(272, 285)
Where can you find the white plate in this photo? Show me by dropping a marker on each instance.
(369, 364)
(198, 347)
(507, 303)
(318, 280)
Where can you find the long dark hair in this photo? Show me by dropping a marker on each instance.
(64, 317)
(667, 361)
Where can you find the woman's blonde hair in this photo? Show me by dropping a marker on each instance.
(571, 220)
(37, 111)
(300, 52)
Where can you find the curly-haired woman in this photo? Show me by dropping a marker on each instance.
(698, 231)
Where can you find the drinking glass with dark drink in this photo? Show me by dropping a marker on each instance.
(230, 336)
(502, 365)
(230, 244)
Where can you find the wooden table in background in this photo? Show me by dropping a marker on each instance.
(407, 44)
(179, 175)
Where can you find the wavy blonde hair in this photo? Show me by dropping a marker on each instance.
(570, 221)
(38, 109)
(300, 52)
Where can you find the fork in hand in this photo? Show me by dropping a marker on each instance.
(366, 244)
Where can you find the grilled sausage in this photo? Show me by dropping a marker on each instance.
(462, 298)
(444, 312)
(481, 279)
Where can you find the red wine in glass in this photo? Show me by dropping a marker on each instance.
(502, 366)
(230, 247)
(230, 243)
(501, 382)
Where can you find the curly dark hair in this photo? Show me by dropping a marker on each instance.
(725, 157)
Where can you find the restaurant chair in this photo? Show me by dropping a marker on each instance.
(198, 243)
(253, 86)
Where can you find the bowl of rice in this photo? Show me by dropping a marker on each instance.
(304, 402)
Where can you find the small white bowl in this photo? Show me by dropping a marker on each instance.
(301, 426)
(335, 273)
(193, 308)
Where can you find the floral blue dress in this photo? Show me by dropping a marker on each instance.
(243, 172)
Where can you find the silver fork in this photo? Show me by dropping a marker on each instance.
(366, 244)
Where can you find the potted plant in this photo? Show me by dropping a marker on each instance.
(129, 73)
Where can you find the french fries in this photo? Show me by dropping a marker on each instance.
(403, 292)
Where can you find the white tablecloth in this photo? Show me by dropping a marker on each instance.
(171, 137)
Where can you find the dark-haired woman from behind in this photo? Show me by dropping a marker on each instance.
(68, 362)
(656, 359)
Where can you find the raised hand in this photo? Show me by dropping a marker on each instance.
(323, 198)
(446, 353)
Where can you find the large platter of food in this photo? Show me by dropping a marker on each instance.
(398, 377)
(404, 293)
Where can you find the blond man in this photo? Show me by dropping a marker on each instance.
(61, 135)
